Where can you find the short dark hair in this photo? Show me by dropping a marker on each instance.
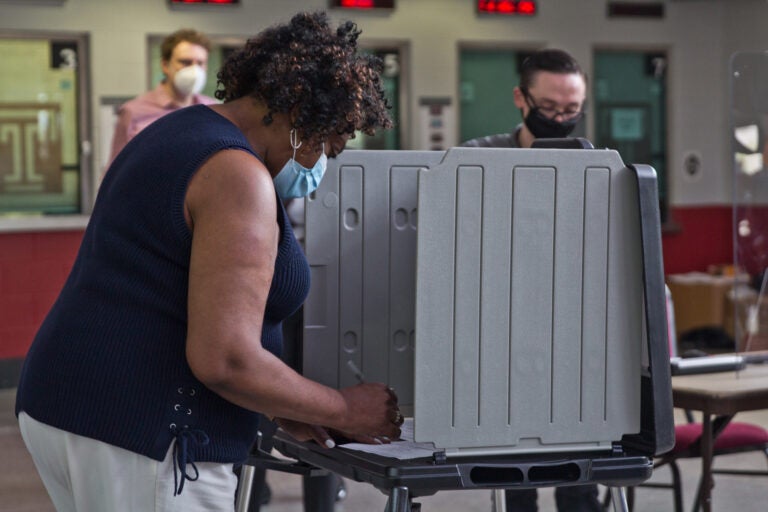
(185, 34)
(552, 60)
(313, 72)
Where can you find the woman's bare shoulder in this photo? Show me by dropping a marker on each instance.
(232, 182)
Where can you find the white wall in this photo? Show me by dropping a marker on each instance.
(698, 34)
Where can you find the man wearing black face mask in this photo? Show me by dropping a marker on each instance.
(550, 97)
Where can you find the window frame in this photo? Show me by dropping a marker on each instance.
(74, 221)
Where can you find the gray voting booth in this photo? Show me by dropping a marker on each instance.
(514, 299)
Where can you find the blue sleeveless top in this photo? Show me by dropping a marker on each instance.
(109, 360)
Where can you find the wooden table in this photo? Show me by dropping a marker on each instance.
(719, 396)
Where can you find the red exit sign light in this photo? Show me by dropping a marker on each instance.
(225, 2)
(519, 7)
(363, 4)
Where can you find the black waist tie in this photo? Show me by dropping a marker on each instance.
(187, 440)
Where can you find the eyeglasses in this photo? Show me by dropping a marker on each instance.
(551, 112)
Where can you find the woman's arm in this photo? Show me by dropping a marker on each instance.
(232, 210)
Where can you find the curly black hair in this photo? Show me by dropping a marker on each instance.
(308, 69)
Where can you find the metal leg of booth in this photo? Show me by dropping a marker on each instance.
(244, 485)
(499, 500)
(400, 501)
(619, 499)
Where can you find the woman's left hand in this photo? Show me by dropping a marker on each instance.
(306, 432)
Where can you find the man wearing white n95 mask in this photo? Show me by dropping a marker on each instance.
(184, 61)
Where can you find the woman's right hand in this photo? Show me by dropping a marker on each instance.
(372, 411)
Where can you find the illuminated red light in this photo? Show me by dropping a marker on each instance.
(205, 1)
(364, 4)
(524, 7)
(506, 6)
(357, 4)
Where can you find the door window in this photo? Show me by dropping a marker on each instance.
(41, 167)
(631, 109)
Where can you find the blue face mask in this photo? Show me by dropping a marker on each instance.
(294, 180)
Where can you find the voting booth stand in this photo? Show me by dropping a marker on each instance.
(513, 298)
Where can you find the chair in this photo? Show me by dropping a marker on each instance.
(523, 326)
(731, 437)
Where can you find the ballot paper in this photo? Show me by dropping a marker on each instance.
(403, 449)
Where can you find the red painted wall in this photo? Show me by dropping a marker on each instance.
(33, 267)
(704, 236)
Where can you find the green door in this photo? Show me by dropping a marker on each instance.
(486, 81)
(630, 96)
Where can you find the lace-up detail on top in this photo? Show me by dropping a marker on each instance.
(187, 439)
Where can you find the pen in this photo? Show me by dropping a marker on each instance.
(355, 370)
(359, 376)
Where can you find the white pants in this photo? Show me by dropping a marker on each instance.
(85, 475)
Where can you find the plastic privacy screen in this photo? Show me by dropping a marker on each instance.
(511, 320)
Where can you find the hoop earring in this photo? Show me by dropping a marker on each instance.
(295, 142)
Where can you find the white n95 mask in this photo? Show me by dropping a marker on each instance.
(189, 80)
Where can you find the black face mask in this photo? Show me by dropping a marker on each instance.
(544, 128)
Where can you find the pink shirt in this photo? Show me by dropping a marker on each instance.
(143, 110)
